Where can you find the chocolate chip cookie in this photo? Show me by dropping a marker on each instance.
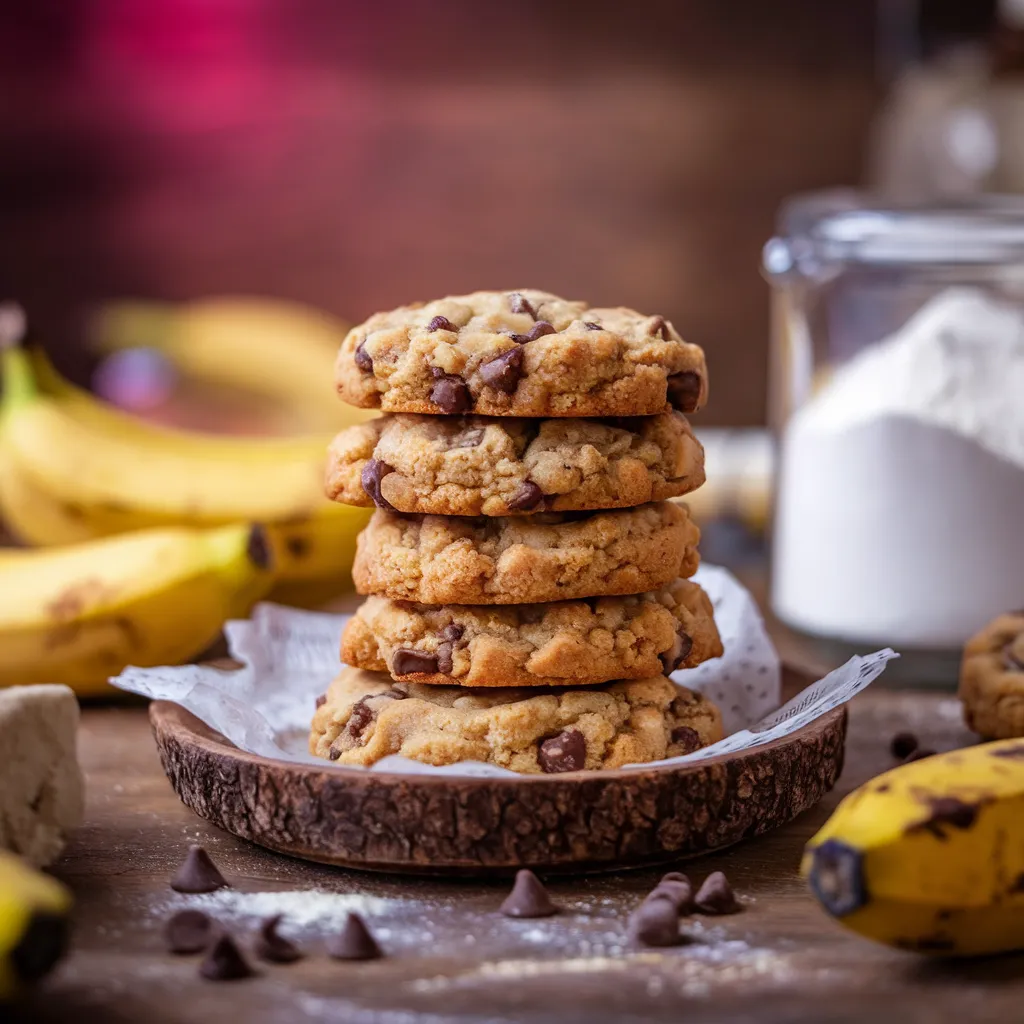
(476, 465)
(548, 557)
(579, 643)
(521, 353)
(992, 679)
(365, 716)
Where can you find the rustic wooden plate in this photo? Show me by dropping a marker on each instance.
(593, 821)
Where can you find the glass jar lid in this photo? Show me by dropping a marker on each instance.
(821, 232)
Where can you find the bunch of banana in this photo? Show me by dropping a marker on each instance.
(278, 350)
(34, 925)
(80, 614)
(74, 469)
(930, 856)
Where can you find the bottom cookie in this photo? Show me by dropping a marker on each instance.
(992, 679)
(365, 716)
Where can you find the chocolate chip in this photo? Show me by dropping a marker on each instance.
(687, 738)
(224, 961)
(902, 745)
(395, 693)
(678, 892)
(198, 873)
(321, 700)
(333, 754)
(373, 473)
(528, 497)
(655, 923)
(528, 898)
(659, 328)
(566, 752)
(684, 390)
(451, 395)
(591, 326)
(715, 896)
(354, 942)
(441, 323)
(272, 946)
(519, 303)
(466, 439)
(675, 876)
(678, 652)
(539, 329)
(188, 931)
(453, 631)
(444, 658)
(503, 372)
(919, 755)
(363, 359)
(406, 662)
(359, 718)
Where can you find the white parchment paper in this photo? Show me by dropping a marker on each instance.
(290, 656)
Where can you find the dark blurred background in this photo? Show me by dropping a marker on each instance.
(360, 155)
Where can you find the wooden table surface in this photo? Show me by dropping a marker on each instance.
(453, 958)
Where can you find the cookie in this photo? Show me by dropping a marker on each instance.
(578, 643)
(525, 353)
(548, 557)
(992, 679)
(475, 465)
(365, 716)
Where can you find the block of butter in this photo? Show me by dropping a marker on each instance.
(41, 790)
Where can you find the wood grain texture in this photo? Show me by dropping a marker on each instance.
(432, 825)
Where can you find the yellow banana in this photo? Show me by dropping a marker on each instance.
(72, 469)
(930, 856)
(80, 614)
(280, 350)
(34, 925)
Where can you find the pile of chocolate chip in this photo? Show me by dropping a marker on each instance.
(191, 931)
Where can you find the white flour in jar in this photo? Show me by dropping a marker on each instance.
(900, 509)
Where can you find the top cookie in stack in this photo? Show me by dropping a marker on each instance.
(522, 537)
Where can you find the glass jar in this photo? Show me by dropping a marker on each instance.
(897, 401)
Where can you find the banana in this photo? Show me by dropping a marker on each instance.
(930, 856)
(280, 350)
(34, 925)
(80, 614)
(73, 469)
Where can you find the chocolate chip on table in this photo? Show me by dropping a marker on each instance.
(677, 890)
(684, 390)
(591, 326)
(528, 497)
(354, 942)
(272, 946)
(715, 896)
(373, 473)
(566, 752)
(903, 744)
(503, 372)
(363, 359)
(687, 738)
(528, 898)
(188, 931)
(406, 662)
(678, 652)
(198, 873)
(224, 961)
(451, 395)
(655, 923)
(441, 323)
(519, 303)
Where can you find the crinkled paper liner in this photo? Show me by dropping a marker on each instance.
(291, 656)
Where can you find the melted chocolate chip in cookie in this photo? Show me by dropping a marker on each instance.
(566, 752)
(687, 738)
(528, 497)
(363, 358)
(519, 303)
(373, 472)
(450, 393)
(503, 372)
(591, 326)
(441, 323)
(406, 662)
(658, 328)
(678, 652)
(684, 390)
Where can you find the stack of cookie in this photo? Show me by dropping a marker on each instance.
(528, 576)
